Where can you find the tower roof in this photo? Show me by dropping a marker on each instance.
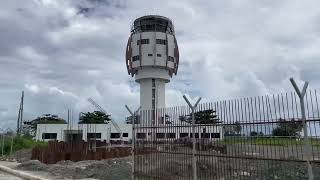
(152, 23)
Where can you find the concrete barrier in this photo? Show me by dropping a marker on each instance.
(20, 174)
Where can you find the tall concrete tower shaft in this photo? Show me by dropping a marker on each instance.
(152, 56)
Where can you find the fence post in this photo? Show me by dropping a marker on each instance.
(307, 145)
(133, 139)
(11, 145)
(2, 147)
(194, 159)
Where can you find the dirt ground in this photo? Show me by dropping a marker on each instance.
(245, 163)
(112, 169)
(177, 164)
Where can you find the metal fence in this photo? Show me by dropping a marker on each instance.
(7, 142)
(263, 137)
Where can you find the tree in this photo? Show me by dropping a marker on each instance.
(228, 130)
(165, 119)
(237, 127)
(95, 117)
(232, 129)
(30, 127)
(253, 133)
(129, 119)
(287, 128)
(201, 117)
(261, 133)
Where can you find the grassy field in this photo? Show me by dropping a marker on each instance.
(17, 143)
(272, 141)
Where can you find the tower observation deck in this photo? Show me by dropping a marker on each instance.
(152, 57)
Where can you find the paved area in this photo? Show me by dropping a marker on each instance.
(4, 176)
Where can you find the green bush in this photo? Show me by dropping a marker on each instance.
(18, 143)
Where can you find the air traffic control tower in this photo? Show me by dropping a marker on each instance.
(152, 57)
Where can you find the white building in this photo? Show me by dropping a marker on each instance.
(65, 132)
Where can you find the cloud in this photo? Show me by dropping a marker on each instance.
(63, 52)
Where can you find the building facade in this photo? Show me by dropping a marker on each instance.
(106, 132)
(65, 132)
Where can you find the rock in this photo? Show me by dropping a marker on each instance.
(32, 165)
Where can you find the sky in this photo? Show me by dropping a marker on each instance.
(61, 52)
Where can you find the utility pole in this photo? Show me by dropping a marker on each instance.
(20, 115)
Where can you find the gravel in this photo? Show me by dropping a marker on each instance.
(112, 169)
(20, 156)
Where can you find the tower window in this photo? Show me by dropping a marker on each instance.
(161, 41)
(153, 93)
(153, 83)
(135, 58)
(153, 104)
(170, 58)
(158, 55)
(149, 54)
(143, 41)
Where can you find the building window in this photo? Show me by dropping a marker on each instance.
(171, 135)
(184, 135)
(161, 41)
(205, 135)
(49, 135)
(125, 135)
(153, 93)
(93, 135)
(149, 54)
(160, 135)
(158, 55)
(153, 103)
(135, 58)
(115, 135)
(153, 83)
(143, 41)
(197, 135)
(170, 58)
(141, 135)
(215, 135)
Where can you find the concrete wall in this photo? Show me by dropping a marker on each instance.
(146, 93)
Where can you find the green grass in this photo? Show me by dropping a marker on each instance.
(18, 143)
(272, 141)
